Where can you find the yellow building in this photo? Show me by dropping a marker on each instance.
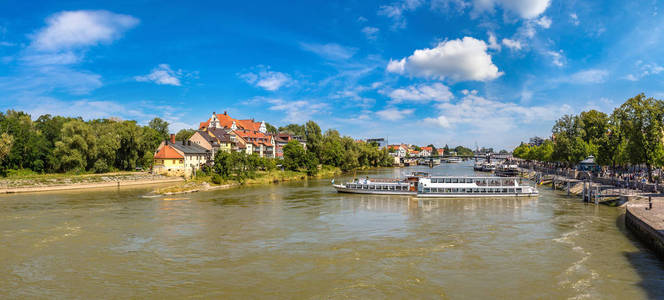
(179, 158)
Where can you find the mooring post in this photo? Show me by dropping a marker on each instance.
(583, 195)
(596, 195)
(568, 184)
(649, 202)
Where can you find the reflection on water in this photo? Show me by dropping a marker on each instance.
(303, 240)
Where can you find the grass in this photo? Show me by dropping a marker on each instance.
(18, 178)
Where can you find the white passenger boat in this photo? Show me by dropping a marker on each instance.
(471, 187)
(424, 185)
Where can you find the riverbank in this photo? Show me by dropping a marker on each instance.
(647, 223)
(205, 183)
(30, 183)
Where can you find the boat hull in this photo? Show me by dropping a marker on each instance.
(343, 189)
(477, 195)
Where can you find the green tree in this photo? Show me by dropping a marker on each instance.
(641, 124)
(294, 156)
(184, 134)
(271, 129)
(293, 129)
(78, 146)
(160, 126)
(6, 142)
(314, 137)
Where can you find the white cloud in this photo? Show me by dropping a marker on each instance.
(396, 10)
(459, 60)
(544, 21)
(557, 57)
(589, 76)
(330, 51)
(493, 42)
(298, 111)
(370, 32)
(526, 9)
(71, 29)
(574, 19)
(644, 70)
(393, 114)
(268, 80)
(490, 121)
(422, 93)
(512, 44)
(162, 74)
(45, 79)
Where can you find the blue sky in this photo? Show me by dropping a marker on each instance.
(452, 72)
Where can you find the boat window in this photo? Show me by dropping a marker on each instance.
(455, 190)
(511, 190)
(447, 180)
(518, 190)
(426, 190)
(455, 180)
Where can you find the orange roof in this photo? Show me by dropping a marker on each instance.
(167, 152)
(427, 148)
(227, 121)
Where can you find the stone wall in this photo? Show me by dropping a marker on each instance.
(653, 238)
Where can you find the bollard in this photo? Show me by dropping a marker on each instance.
(649, 202)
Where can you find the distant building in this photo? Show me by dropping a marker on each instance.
(426, 151)
(380, 141)
(536, 141)
(250, 136)
(281, 139)
(398, 150)
(179, 158)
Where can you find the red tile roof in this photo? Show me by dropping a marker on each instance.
(167, 152)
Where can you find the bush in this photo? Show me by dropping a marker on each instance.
(100, 166)
(216, 179)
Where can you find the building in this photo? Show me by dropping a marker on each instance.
(179, 158)
(216, 140)
(382, 143)
(244, 135)
(281, 139)
(536, 141)
(398, 150)
(441, 152)
(426, 151)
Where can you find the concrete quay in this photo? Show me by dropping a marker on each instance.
(647, 223)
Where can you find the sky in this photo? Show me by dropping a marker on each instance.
(490, 73)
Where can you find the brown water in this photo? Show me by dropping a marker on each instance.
(303, 240)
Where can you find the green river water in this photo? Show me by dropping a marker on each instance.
(303, 240)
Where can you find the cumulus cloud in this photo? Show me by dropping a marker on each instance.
(330, 51)
(644, 70)
(396, 10)
(460, 60)
(422, 93)
(370, 32)
(394, 114)
(512, 44)
(526, 9)
(162, 74)
(71, 29)
(268, 80)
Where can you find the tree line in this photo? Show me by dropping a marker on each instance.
(53, 144)
(631, 135)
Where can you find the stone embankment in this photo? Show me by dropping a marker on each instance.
(46, 183)
(646, 222)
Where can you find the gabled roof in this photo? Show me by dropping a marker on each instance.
(188, 148)
(167, 152)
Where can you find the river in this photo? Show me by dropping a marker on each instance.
(303, 240)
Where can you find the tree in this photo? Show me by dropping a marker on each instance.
(6, 142)
(160, 126)
(293, 129)
(77, 148)
(641, 123)
(569, 145)
(271, 129)
(294, 156)
(314, 137)
(611, 143)
(593, 125)
(184, 134)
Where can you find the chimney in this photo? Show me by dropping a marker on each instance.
(184, 142)
(225, 114)
(214, 113)
(188, 143)
(172, 138)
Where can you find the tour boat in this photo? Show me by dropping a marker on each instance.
(507, 170)
(424, 185)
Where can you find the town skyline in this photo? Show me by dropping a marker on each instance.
(495, 73)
